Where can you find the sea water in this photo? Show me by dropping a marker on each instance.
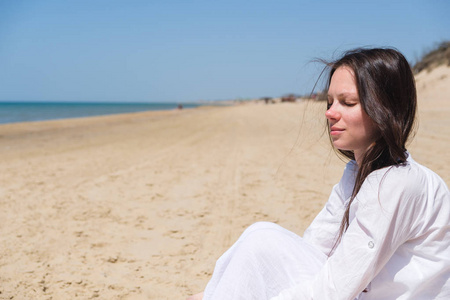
(12, 112)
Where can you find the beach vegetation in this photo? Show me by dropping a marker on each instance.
(436, 56)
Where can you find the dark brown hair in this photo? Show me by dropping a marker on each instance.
(387, 93)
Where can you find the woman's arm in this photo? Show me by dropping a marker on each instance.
(383, 216)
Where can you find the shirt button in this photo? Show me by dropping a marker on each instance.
(371, 244)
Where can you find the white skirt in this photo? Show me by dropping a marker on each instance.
(265, 260)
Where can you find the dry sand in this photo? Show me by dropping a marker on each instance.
(140, 206)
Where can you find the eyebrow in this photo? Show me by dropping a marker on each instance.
(352, 95)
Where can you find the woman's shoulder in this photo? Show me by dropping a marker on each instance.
(411, 178)
(409, 171)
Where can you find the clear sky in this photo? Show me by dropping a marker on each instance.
(177, 51)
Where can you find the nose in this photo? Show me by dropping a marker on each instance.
(332, 113)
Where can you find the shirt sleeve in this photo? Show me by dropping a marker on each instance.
(382, 217)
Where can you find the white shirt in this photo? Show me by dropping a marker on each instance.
(397, 245)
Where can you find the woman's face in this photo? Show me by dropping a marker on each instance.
(351, 128)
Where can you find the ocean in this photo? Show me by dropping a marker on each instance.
(13, 112)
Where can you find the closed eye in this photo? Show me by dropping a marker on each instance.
(348, 102)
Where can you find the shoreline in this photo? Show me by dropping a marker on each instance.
(190, 105)
(89, 114)
(7, 129)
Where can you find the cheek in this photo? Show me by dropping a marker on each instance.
(360, 124)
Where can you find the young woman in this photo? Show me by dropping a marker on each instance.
(385, 230)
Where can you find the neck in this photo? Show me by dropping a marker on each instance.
(358, 157)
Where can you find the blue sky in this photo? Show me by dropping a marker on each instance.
(178, 51)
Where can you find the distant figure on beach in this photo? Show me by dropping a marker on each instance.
(180, 106)
(288, 98)
(267, 100)
(384, 233)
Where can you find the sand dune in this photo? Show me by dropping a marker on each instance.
(140, 206)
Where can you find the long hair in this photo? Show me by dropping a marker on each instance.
(387, 92)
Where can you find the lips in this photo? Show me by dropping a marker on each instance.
(336, 130)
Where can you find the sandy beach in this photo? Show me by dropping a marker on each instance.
(139, 206)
